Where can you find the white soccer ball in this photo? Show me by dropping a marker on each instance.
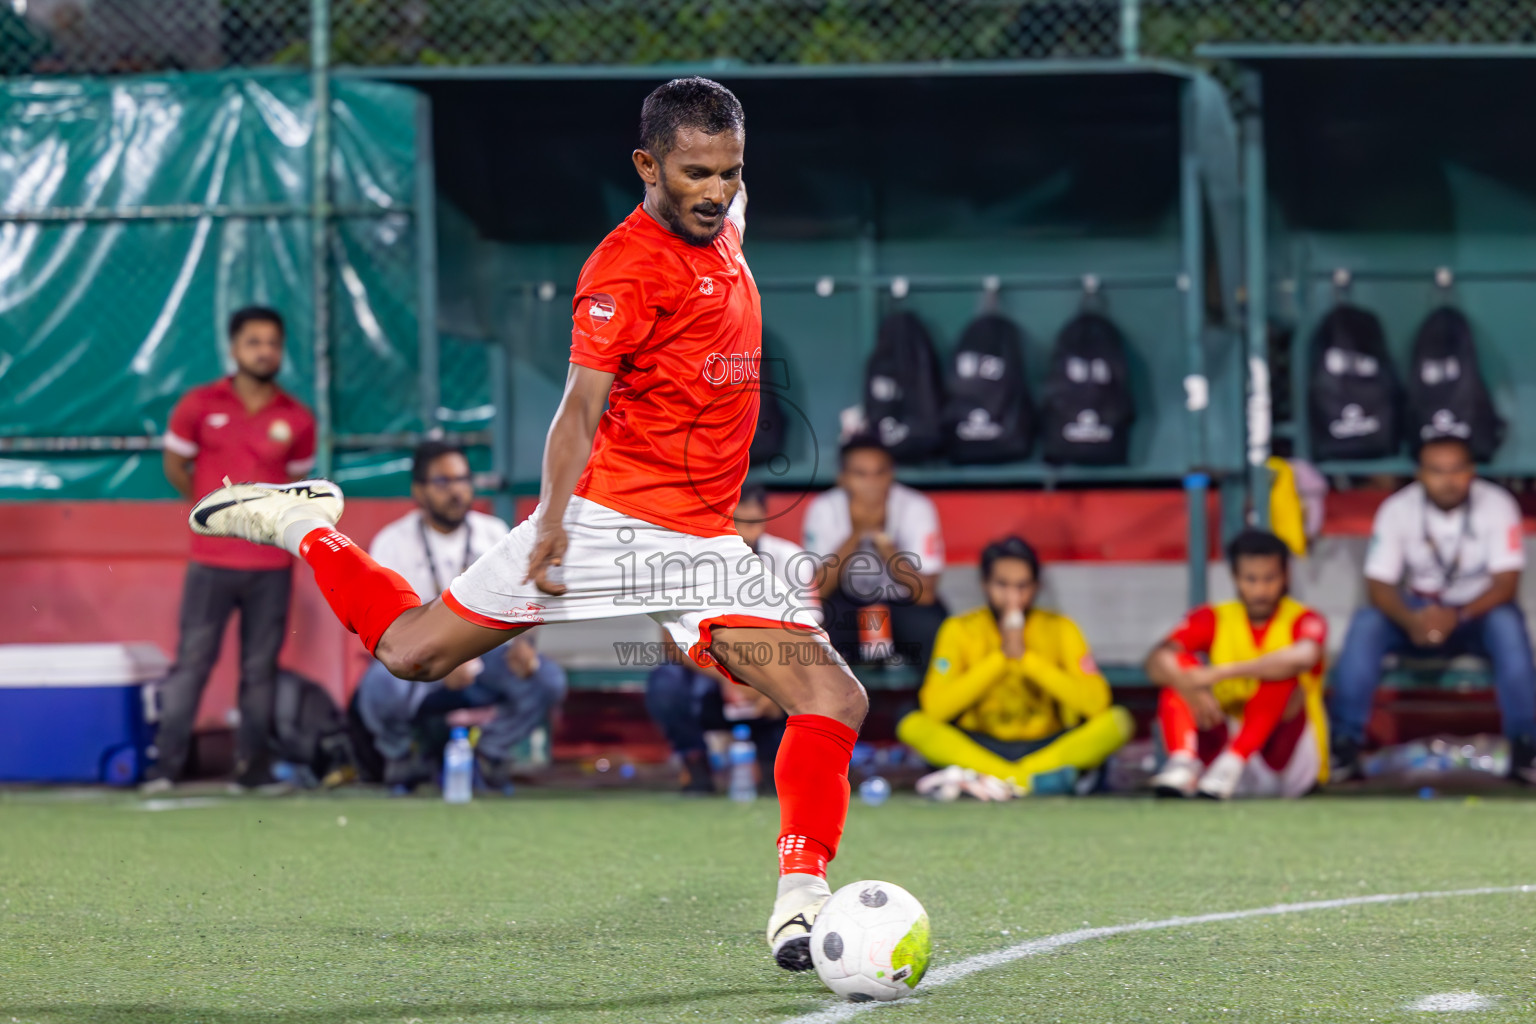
(871, 941)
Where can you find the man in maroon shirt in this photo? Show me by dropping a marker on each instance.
(246, 428)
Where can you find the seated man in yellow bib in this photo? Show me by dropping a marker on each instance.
(1248, 720)
(1013, 691)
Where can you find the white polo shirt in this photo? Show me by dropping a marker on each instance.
(795, 567)
(430, 560)
(910, 519)
(1452, 555)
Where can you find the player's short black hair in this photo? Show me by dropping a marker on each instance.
(1258, 544)
(754, 492)
(693, 102)
(1460, 442)
(427, 453)
(255, 314)
(856, 443)
(1009, 547)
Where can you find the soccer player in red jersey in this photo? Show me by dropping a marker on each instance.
(642, 468)
(1249, 719)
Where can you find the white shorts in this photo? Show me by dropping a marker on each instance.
(1296, 778)
(618, 565)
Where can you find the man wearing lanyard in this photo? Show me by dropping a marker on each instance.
(429, 547)
(1442, 578)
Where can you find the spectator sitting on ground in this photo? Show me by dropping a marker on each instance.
(1013, 691)
(1442, 578)
(882, 551)
(686, 700)
(429, 547)
(1260, 693)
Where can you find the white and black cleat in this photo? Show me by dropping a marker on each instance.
(794, 913)
(1179, 777)
(1221, 779)
(260, 513)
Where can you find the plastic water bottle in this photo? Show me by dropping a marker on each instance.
(458, 768)
(743, 758)
(874, 791)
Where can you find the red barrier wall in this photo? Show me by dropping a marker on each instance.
(78, 572)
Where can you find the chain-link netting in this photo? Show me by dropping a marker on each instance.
(134, 36)
(119, 36)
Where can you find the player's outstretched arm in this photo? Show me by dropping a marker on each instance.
(566, 450)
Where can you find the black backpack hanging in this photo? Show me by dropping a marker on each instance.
(903, 403)
(1088, 409)
(1447, 396)
(989, 417)
(1354, 398)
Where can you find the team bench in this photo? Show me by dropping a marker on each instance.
(605, 709)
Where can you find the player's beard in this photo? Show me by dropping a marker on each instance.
(671, 210)
(449, 515)
(999, 613)
(261, 378)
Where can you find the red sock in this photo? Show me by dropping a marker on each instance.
(365, 596)
(1177, 723)
(1261, 716)
(811, 773)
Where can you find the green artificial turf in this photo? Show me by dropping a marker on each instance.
(636, 907)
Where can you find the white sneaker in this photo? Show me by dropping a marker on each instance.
(1179, 776)
(1220, 780)
(942, 785)
(156, 786)
(260, 512)
(801, 898)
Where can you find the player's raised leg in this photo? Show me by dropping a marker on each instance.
(413, 641)
(825, 706)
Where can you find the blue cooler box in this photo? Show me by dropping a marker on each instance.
(78, 712)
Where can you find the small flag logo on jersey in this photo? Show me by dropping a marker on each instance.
(600, 309)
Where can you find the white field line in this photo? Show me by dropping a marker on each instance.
(950, 973)
(1451, 1002)
(184, 803)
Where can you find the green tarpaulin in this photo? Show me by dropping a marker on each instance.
(165, 204)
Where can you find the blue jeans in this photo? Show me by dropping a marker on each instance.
(684, 703)
(390, 707)
(1500, 636)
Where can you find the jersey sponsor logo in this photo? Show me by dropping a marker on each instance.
(706, 286)
(732, 367)
(218, 419)
(599, 309)
(280, 432)
(1088, 665)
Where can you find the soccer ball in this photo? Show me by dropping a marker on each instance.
(871, 941)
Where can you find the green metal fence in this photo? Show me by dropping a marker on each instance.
(133, 36)
(370, 357)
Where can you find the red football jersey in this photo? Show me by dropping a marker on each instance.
(1197, 632)
(275, 444)
(680, 326)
